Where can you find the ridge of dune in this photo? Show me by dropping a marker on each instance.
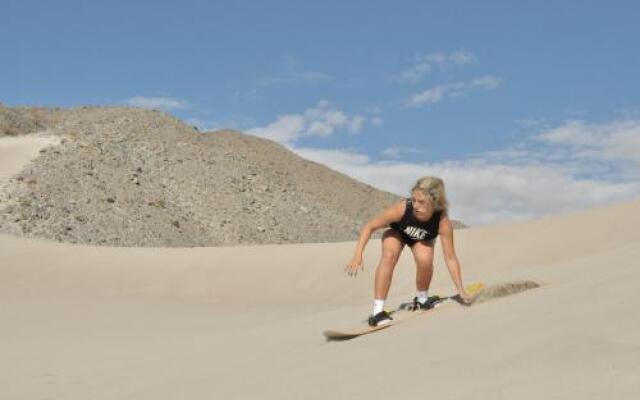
(515, 251)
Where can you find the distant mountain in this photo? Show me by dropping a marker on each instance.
(135, 177)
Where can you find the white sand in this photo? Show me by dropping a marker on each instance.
(83, 322)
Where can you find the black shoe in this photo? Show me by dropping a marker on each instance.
(380, 318)
(429, 304)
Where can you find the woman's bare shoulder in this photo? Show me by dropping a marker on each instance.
(393, 213)
(399, 207)
(445, 226)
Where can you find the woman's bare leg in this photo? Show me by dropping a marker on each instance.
(391, 249)
(423, 255)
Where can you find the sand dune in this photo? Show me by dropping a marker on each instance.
(245, 322)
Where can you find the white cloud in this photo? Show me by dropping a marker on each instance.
(203, 125)
(486, 82)
(206, 125)
(284, 129)
(374, 112)
(610, 149)
(161, 103)
(337, 159)
(430, 96)
(393, 152)
(321, 120)
(396, 152)
(617, 139)
(425, 63)
(294, 77)
(415, 73)
(517, 183)
(461, 57)
(438, 93)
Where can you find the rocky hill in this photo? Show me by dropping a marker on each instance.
(135, 177)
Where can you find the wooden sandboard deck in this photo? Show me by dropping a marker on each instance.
(399, 315)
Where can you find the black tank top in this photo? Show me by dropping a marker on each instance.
(414, 229)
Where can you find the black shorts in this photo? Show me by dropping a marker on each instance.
(409, 241)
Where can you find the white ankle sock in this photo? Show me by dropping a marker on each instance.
(378, 306)
(423, 296)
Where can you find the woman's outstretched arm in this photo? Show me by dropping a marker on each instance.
(391, 214)
(450, 258)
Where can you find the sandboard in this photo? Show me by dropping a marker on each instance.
(399, 315)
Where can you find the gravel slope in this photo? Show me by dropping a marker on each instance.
(132, 177)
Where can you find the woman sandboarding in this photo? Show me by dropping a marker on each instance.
(415, 222)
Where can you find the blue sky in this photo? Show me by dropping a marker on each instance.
(524, 108)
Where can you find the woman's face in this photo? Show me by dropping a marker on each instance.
(422, 206)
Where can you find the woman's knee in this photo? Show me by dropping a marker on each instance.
(390, 256)
(391, 249)
(424, 266)
(424, 260)
(423, 257)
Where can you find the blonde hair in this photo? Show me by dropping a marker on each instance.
(433, 188)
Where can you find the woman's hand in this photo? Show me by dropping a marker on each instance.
(464, 297)
(354, 265)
